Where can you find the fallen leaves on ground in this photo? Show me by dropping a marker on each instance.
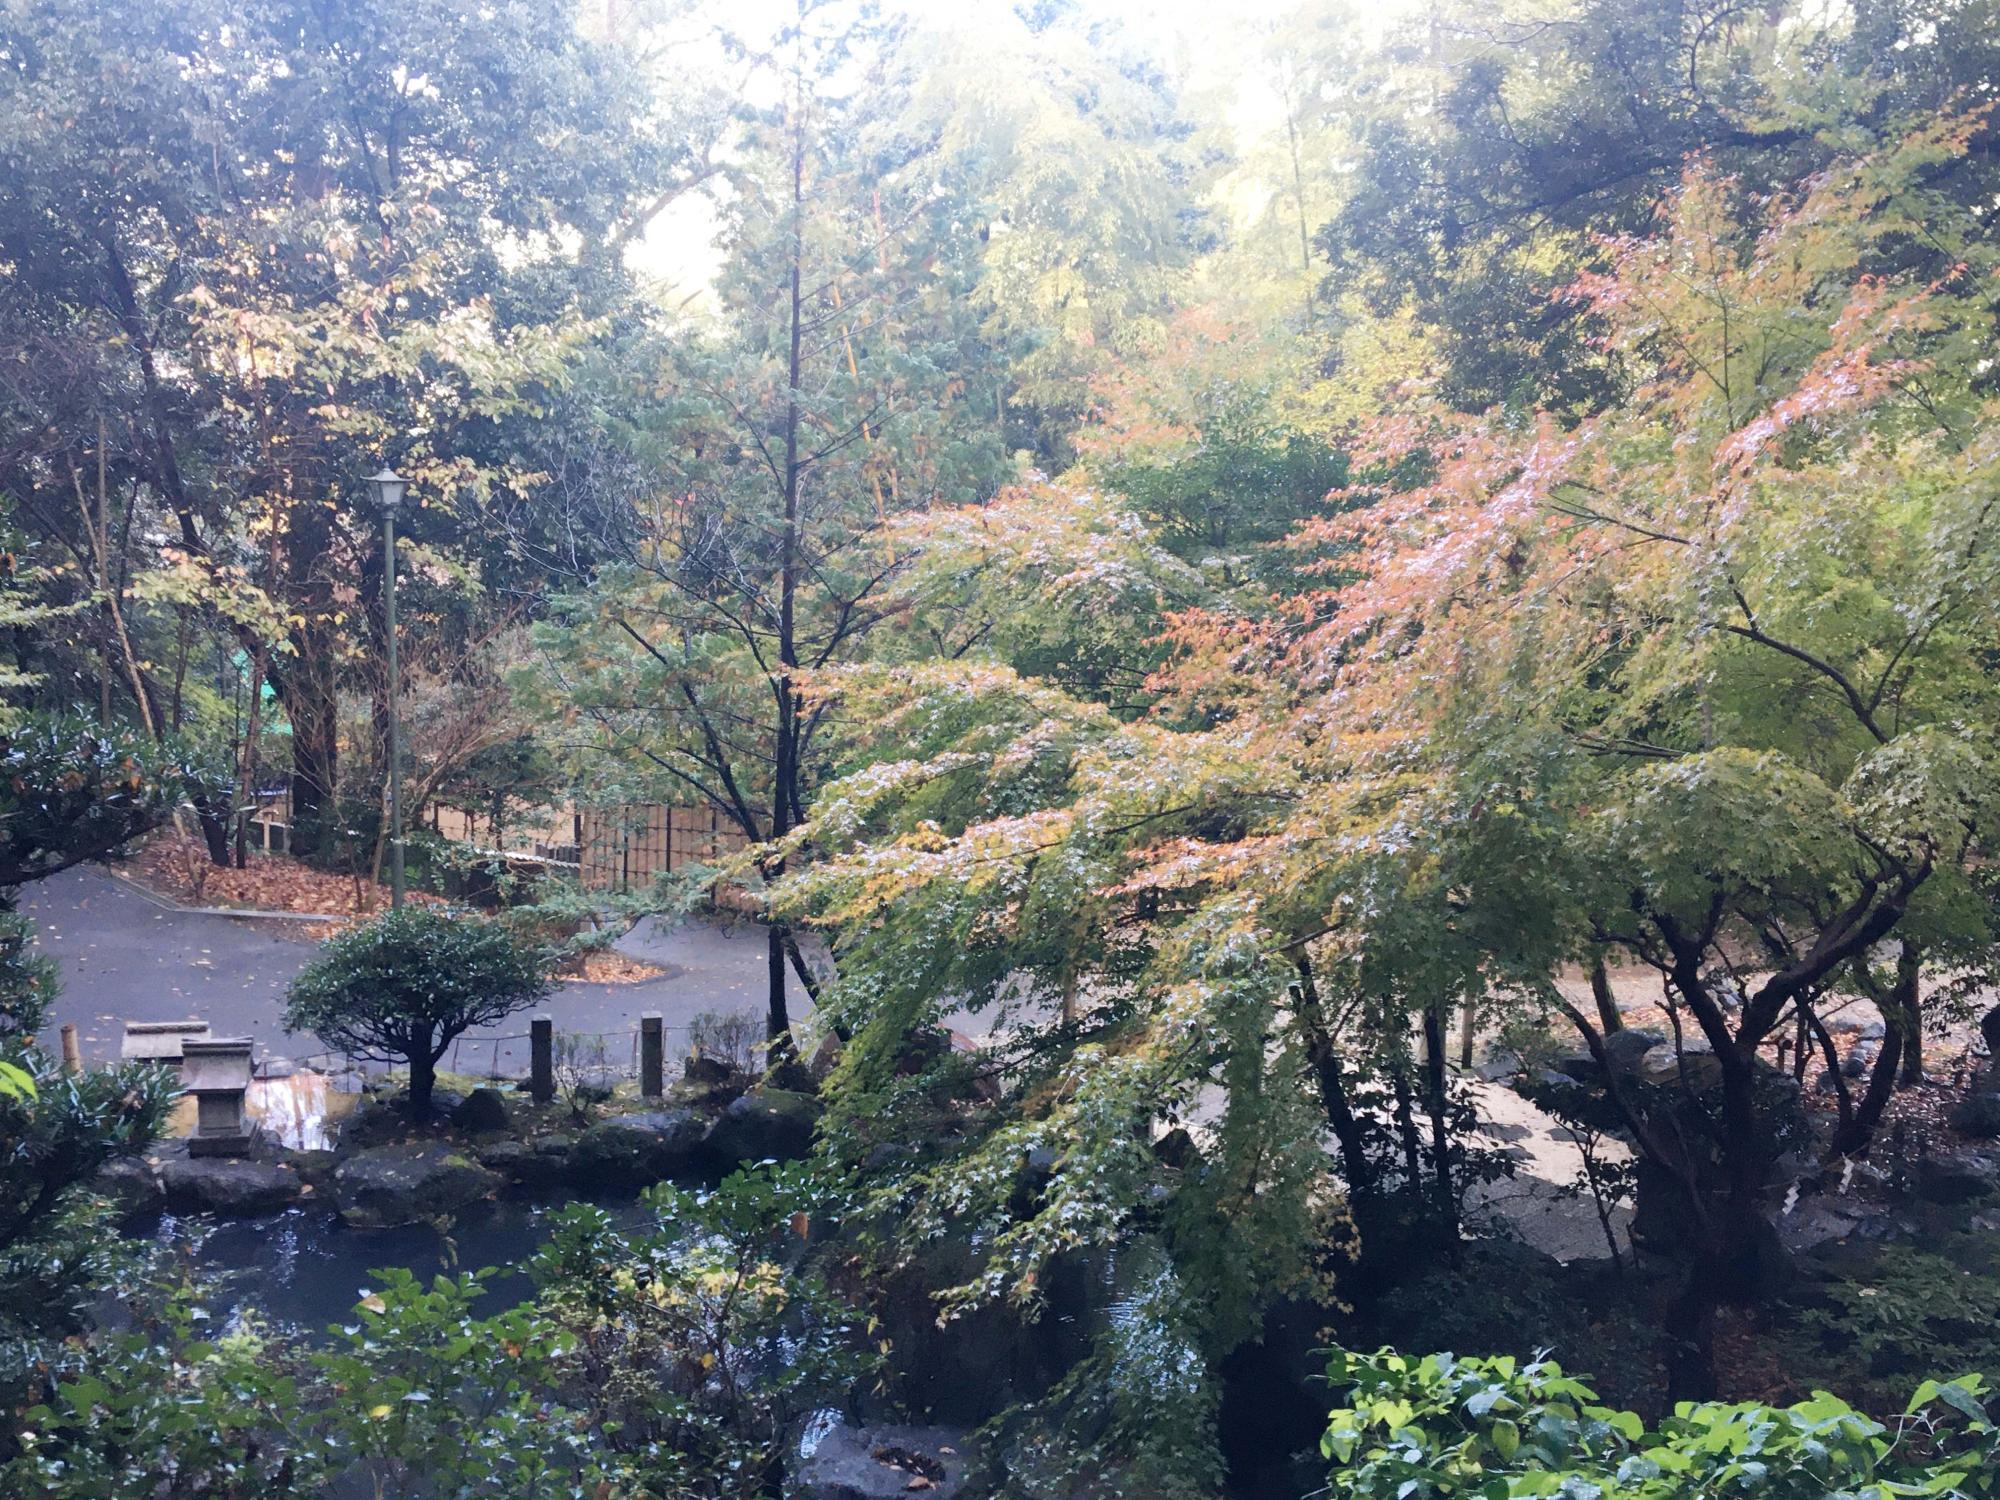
(609, 968)
(178, 867)
(277, 882)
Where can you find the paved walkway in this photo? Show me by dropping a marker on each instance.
(124, 956)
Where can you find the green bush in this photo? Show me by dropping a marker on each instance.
(57, 1129)
(402, 987)
(72, 791)
(700, 1342)
(675, 1361)
(415, 1397)
(1891, 1312)
(1415, 1428)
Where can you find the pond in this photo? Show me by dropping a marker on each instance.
(303, 1270)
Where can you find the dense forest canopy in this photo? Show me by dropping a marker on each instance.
(1241, 561)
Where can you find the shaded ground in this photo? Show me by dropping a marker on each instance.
(1538, 1202)
(124, 956)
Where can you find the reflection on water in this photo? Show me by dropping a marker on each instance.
(301, 1112)
(305, 1269)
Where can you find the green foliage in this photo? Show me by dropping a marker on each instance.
(57, 1129)
(164, 1404)
(402, 986)
(1135, 1417)
(415, 1398)
(1881, 1317)
(427, 1399)
(28, 984)
(698, 1342)
(1495, 1428)
(672, 1361)
(71, 791)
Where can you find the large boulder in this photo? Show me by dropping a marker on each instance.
(531, 1165)
(230, 1187)
(1977, 1115)
(484, 1112)
(1959, 1178)
(133, 1187)
(636, 1151)
(765, 1125)
(883, 1463)
(1627, 1048)
(404, 1184)
(1696, 1069)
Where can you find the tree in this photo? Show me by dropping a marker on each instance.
(56, 1248)
(402, 986)
(1710, 703)
(1696, 682)
(1005, 848)
(842, 390)
(674, 1358)
(1070, 153)
(1492, 145)
(704, 1338)
(71, 792)
(256, 257)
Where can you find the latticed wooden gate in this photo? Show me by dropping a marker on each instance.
(626, 845)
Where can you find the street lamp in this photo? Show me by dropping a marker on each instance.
(388, 488)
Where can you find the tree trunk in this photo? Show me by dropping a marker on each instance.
(1608, 1014)
(246, 790)
(785, 769)
(1406, 1128)
(315, 762)
(214, 827)
(1858, 1129)
(777, 1023)
(1690, 1333)
(1901, 1020)
(1438, 1104)
(1325, 1060)
(1908, 1001)
(423, 1079)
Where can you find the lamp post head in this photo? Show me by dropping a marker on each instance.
(388, 488)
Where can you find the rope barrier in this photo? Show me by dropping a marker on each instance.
(631, 1067)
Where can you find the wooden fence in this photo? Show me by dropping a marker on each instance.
(612, 848)
(620, 847)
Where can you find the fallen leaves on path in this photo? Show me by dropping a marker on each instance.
(270, 882)
(609, 968)
(277, 882)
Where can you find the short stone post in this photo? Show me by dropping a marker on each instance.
(652, 1055)
(542, 1052)
(72, 1054)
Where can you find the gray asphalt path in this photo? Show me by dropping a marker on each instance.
(125, 957)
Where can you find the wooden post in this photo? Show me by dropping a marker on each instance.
(652, 1055)
(542, 1053)
(72, 1055)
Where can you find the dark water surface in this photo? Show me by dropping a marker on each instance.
(304, 1269)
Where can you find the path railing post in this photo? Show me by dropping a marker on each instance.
(542, 1053)
(72, 1055)
(652, 1055)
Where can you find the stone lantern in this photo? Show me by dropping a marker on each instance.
(217, 1073)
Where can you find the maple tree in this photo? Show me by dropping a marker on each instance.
(1695, 682)
(1191, 574)
(1702, 669)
